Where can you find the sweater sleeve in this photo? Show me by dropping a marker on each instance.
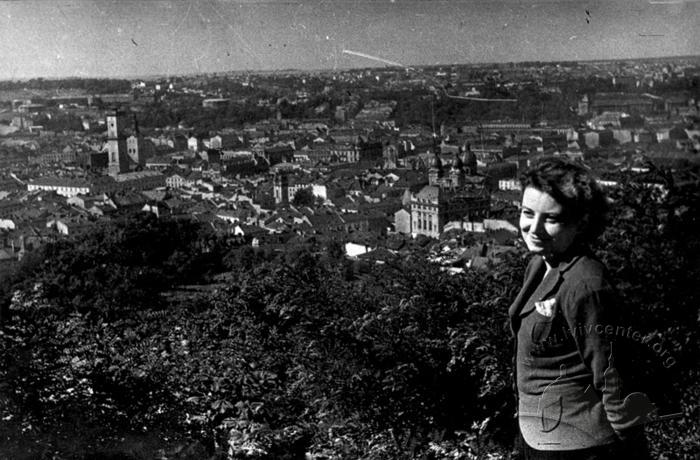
(514, 380)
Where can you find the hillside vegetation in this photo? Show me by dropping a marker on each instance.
(106, 354)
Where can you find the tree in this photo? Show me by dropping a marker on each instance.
(304, 197)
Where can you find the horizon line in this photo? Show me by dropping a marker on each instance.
(339, 69)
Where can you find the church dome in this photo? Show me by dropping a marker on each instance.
(469, 159)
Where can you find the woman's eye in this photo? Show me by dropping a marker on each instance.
(553, 220)
(526, 212)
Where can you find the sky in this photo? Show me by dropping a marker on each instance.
(129, 38)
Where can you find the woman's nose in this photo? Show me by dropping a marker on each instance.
(537, 225)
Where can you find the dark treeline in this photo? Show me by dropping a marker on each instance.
(90, 85)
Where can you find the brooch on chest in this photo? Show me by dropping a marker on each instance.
(546, 307)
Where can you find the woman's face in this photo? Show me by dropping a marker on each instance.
(543, 226)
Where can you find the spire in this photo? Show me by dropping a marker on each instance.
(469, 160)
(436, 162)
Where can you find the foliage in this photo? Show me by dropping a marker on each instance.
(60, 122)
(531, 106)
(304, 197)
(263, 365)
(118, 265)
(304, 353)
(89, 85)
(653, 247)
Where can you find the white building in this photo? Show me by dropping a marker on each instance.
(62, 186)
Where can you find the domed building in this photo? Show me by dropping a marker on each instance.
(447, 196)
(468, 160)
(462, 165)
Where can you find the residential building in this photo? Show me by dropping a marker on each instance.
(285, 187)
(625, 102)
(178, 180)
(63, 186)
(215, 103)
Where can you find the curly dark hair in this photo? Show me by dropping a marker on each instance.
(573, 186)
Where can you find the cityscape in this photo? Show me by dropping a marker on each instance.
(373, 158)
(270, 261)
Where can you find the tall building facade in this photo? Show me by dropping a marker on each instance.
(428, 211)
(117, 161)
(138, 148)
(281, 188)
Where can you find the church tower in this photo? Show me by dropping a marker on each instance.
(135, 145)
(281, 188)
(118, 162)
(469, 161)
(435, 171)
(457, 172)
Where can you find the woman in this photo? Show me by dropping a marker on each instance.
(570, 400)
